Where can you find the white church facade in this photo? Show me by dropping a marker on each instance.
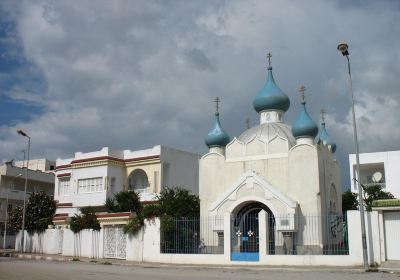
(280, 171)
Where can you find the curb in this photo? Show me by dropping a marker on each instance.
(35, 257)
(144, 264)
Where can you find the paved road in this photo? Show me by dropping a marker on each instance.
(41, 270)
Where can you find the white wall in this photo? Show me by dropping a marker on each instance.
(145, 246)
(391, 161)
(182, 171)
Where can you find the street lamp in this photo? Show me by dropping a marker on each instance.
(344, 49)
(21, 132)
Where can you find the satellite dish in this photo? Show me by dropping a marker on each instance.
(377, 177)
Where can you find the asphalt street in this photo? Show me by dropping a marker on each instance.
(47, 270)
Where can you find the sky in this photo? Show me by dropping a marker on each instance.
(82, 75)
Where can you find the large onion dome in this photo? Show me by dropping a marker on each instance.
(271, 97)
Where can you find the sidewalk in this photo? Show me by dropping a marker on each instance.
(389, 266)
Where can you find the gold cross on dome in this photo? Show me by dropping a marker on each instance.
(323, 112)
(217, 101)
(302, 90)
(269, 55)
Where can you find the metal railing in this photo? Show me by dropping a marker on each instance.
(311, 235)
(202, 235)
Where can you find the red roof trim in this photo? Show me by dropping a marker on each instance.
(60, 218)
(61, 215)
(142, 158)
(65, 204)
(111, 215)
(64, 175)
(63, 166)
(114, 158)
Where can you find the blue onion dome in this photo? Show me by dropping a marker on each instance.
(304, 126)
(325, 139)
(271, 97)
(217, 137)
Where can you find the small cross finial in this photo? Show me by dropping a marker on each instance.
(247, 123)
(269, 55)
(323, 112)
(302, 89)
(217, 101)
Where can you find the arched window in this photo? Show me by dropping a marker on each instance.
(333, 199)
(138, 181)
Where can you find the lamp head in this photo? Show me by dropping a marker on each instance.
(21, 132)
(343, 48)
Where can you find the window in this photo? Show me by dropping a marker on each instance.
(9, 208)
(332, 199)
(112, 184)
(63, 186)
(138, 181)
(90, 185)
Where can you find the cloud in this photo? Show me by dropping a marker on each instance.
(132, 74)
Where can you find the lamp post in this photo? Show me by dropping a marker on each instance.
(344, 49)
(21, 132)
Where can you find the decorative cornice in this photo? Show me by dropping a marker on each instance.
(63, 175)
(65, 166)
(105, 159)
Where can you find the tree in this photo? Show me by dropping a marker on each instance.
(371, 193)
(171, 203)
(39, 212)
(124, 201)
(374, 192)
(15, 218)
(86, 220)
(178, 202)
(349, 201)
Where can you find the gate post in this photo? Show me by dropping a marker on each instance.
(263, 235)
(227, 236)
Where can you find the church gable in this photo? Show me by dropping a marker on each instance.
(251, 187)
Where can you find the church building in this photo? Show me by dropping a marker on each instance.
(285, 172)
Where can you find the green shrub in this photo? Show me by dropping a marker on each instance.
(86, 220)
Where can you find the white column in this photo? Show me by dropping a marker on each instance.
(263, 235)
(227, 236)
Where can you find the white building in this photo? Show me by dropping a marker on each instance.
(272, 168)
(12, 186)
(42, 164)
(88, 179)
(385, 166)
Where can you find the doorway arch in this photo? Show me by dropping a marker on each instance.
(246, 229)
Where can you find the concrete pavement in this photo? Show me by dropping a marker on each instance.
(23, 269)
(389, 266)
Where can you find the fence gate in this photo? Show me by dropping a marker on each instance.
(245, 237)
(391, 221)
(114, 242)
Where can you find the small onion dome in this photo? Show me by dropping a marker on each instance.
(324, 138)
(217, 137)
(304, 126)
(271, 97)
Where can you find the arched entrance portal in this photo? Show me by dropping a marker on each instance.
(246, 232)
